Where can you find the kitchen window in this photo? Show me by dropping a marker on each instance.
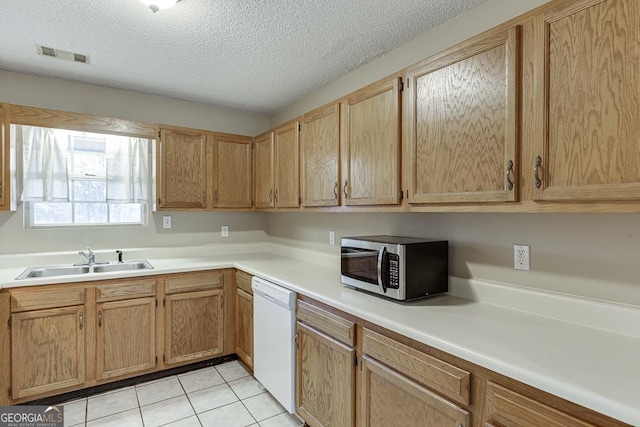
(74, 178)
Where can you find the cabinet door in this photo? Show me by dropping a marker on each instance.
(508, 408)
(126, 337)
(193, 326)
(588, 101)
(463, 124)
(182, 172)
(263, 179)
(320, 151)
(47, 351)
(4, 158)
(325, 379)
(286, 161)
(371, 155)
(244, 327)
(232, 174)
(392, 400)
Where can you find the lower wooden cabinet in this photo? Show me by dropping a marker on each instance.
(193, 326)
(243, 331)
(325, 379)
(66, 337)
(47, 350)
(126, 337)
(390, 399)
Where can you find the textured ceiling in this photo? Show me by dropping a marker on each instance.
(250, 55)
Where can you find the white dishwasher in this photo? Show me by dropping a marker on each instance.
(274, 350)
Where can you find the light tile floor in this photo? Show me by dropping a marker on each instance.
(225, 395)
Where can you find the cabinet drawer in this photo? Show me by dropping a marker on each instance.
(506, 407)
(37, 299)
(440, 376)
(193, 281)
(243, 281)
(126, 290)
(327, 322)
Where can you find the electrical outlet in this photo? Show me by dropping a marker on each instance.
(166, 221)
(332, 237)
(521, 257)
(224, 231)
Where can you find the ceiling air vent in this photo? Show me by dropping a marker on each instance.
(63, 54)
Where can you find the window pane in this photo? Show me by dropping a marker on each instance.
(88, 164)
(52, 213)
(125, 213)
(90, 213)
(89, 191)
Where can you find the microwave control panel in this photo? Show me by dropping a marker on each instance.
(394, 275)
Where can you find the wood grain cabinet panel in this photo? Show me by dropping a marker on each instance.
(371, 154)
(320, 150)
(232, 172)
(182, 170)
(47, 351)
(508, 408)
(444, 378)
(196, 281)
(52, 297)
(243, 281)
(463, 116)
(244, 327)
(263, 171)
(126, 337)
(194, 323)
(325, 379)
(286, 164)
(4, 158)
(324, 321)
(587, 57)
(392, 400)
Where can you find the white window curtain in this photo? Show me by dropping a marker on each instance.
(45, 171)
(127, 169)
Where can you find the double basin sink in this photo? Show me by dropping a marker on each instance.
(71, 270)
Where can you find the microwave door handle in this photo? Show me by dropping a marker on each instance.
(381, 252)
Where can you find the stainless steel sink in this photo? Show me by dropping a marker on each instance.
(122, 266)
(72, 270)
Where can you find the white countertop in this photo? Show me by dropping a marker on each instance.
(596, 368)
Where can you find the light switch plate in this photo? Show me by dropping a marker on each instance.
(166, 221)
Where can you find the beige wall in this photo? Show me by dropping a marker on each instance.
(590, 255)
(101, 101)
(188, 228)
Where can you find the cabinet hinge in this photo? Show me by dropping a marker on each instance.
(156, 303)
(159, 202)
(163, 360)
(401, 195)
(299, 127)
(159, 133)
(299, 201)
(164, 301)
(9, 323)
(10, 392)
(355, 360)
(401, 86)
(221, 300)
(156, 360)
(407, 194)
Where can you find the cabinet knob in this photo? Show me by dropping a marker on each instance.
(81, 320)
(100, 319)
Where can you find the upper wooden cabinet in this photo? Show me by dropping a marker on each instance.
(232, 173)
(320, 150)
(182, 170)
(4, 157)
(286, 163)
(463, 116)
(371, 145)
(263, 172)
(587, 101)
(277, 167)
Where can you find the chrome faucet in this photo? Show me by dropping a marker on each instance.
(89, 255)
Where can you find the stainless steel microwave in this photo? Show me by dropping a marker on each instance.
(402, 268)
